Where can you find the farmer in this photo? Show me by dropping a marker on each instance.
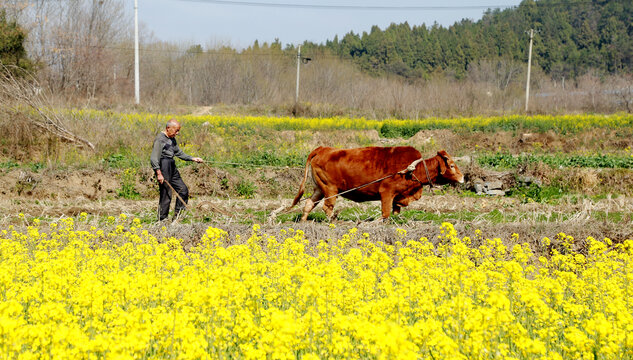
(162, 160)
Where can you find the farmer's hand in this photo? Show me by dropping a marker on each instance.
(160, 177)
(197, 159)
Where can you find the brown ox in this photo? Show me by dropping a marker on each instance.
(335, 171)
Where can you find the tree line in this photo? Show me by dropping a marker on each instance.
(572, 37)
(82, 50)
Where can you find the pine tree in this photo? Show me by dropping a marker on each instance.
(572, 37)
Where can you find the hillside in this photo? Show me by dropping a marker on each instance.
(572, 37)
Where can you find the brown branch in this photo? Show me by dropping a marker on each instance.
(15, 93)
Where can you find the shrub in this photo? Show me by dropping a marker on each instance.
(128, 182)
(245, 189)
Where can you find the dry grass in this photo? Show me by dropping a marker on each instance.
(532, 222)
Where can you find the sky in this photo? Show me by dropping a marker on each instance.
(226, 22)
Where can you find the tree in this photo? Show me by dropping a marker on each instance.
(77, 43)
(12, 38)
(572, 39)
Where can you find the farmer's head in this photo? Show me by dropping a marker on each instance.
(172, 128)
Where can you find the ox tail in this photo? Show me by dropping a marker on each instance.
(302, 186)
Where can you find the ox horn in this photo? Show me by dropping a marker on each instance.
(414, 164)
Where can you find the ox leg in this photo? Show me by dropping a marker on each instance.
(310, 203)
(386, 201)
(328, 207)
(396, 209)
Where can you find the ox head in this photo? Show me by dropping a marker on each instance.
(448, 169)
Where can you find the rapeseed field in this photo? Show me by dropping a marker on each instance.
(124, 293)
(387, 127)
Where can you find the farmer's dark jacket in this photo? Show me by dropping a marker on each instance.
(166, 148)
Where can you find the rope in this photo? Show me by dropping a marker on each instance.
(207, 165)
(356, 188)
(409, 168)
(426, 169)
(284, 210)
(251, 165)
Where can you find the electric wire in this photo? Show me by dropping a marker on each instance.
(381, 7)
(348, 7)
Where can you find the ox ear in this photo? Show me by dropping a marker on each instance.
(442, 165)
(443, 159)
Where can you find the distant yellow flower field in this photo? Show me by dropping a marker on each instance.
(511, 122)
(123, 293)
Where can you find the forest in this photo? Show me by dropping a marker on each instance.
(572, 37)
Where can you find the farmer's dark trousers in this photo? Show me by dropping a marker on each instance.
(171, 174)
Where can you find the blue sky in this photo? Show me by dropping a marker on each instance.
(209, 24)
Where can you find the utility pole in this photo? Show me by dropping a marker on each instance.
(137, 90)
(300, 60)
(527, 85)
(298, 67)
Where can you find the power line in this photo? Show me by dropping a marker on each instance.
(378, 7)
(209, 52)
(349, 7)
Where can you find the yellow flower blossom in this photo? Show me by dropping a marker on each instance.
(123, 293)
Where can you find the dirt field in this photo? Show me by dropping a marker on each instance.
(495, 216)
(235, 198)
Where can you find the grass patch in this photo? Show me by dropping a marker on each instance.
(245, 189)
(355, 214)
(360, 214)
(260, 158)
(495, 216)
(539, 194)
(128, 181)
(124, 159)
(8, 165)
(616, 217)
(316, 216)
(420, 215)
(509, 161)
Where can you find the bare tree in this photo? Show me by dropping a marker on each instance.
(76, 42)
(500, 72)
(622, 88)
(15, 93)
